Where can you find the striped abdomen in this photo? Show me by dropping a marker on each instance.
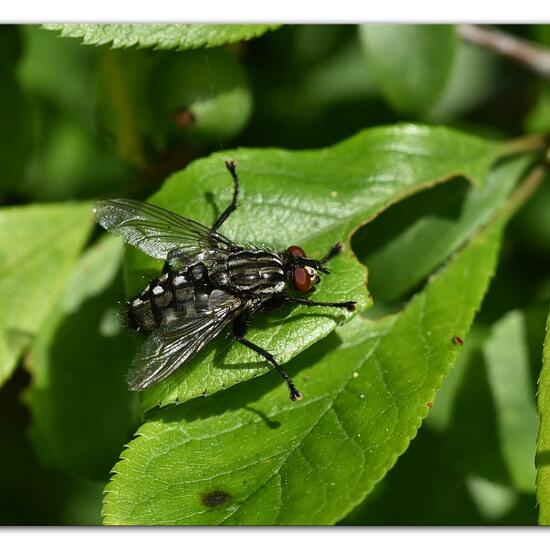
(173, 296)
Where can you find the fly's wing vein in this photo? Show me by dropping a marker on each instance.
(155, 230)
(169, 347)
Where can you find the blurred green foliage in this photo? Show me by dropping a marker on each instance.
(401, 58)
(81, 122)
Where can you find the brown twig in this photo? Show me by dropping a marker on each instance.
(532, 181)
(531, 55)
(526, 144)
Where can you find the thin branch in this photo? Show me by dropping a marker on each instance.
(531, 55)
(526, 144)
(526, 189)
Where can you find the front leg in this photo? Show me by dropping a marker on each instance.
(350, 306)
(334, 251)
(240, 326)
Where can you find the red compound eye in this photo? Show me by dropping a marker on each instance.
(296, 251)
(302, 279)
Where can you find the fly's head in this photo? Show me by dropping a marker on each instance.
(303, 273)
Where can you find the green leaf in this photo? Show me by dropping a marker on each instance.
(60, 72)
(538, 117)
(488, 416)
(509, 374)
(69, 162)
(69, 159)
(471, 429)
(160, 36)
(209, 89)
(38, 247)
(532, 223)
(123, 105)
(411, 63)
(469, 500)
(82, 412)
(415, 236)
(543, 441)
(444, 406)
(340, 78)
(15, 114)
(312, 198)
(472, 80)
(249, 456)
(485, 408)
(154, 104)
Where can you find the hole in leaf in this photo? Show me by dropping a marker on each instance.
(408, 242)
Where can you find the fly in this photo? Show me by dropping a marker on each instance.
(207, 282)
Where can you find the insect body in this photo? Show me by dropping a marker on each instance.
(208, 282)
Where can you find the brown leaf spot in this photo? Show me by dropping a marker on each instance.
(184, 118)
(215, 498)
(457, 341)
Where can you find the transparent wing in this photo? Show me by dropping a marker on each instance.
(154, 230)
(168, 347)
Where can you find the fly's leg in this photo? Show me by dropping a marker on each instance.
(295, 394)
(232, 167)
(240, 325)
(334, 251)
(350, 306)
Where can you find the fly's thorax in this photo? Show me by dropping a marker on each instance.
(252, 271)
